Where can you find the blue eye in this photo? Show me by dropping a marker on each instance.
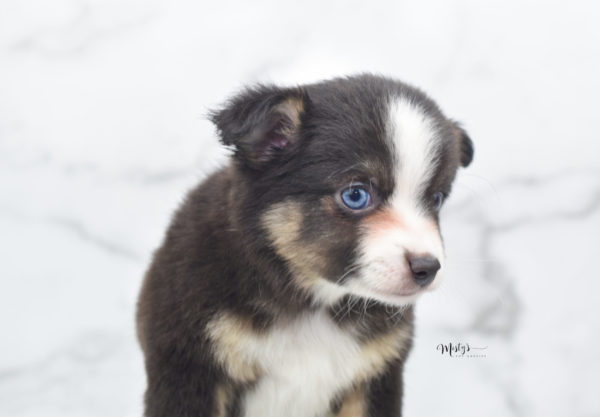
(356, 198)
(438, 200)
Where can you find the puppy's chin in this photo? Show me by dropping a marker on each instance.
(328, 293)
(358, 288)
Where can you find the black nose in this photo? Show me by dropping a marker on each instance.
(423, 269)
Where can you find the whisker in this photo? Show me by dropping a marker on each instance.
(348, 271)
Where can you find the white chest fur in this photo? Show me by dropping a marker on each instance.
(300, 366)
(305, 364)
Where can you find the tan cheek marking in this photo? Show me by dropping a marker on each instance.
(230, 336)
(379, 352)
(283, 223)
(354, 404)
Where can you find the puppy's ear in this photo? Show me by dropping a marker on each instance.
(261, 123)
(466, 145)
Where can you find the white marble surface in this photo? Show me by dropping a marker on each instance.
(102, 131)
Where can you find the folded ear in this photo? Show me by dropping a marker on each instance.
(261, 123)
(466, 145)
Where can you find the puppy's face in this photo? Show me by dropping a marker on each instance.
(344, 180)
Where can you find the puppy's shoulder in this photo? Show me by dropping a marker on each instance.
(207, 202)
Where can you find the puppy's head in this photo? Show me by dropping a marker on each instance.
(343, 180)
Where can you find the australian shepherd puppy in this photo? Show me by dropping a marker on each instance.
(285, 282)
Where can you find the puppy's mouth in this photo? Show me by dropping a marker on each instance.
(399, 295)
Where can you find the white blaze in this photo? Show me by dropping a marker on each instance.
(412, 137)
(413, 140)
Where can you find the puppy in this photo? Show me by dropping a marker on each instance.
(285, 282)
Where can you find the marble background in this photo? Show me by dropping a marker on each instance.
(102, 130)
